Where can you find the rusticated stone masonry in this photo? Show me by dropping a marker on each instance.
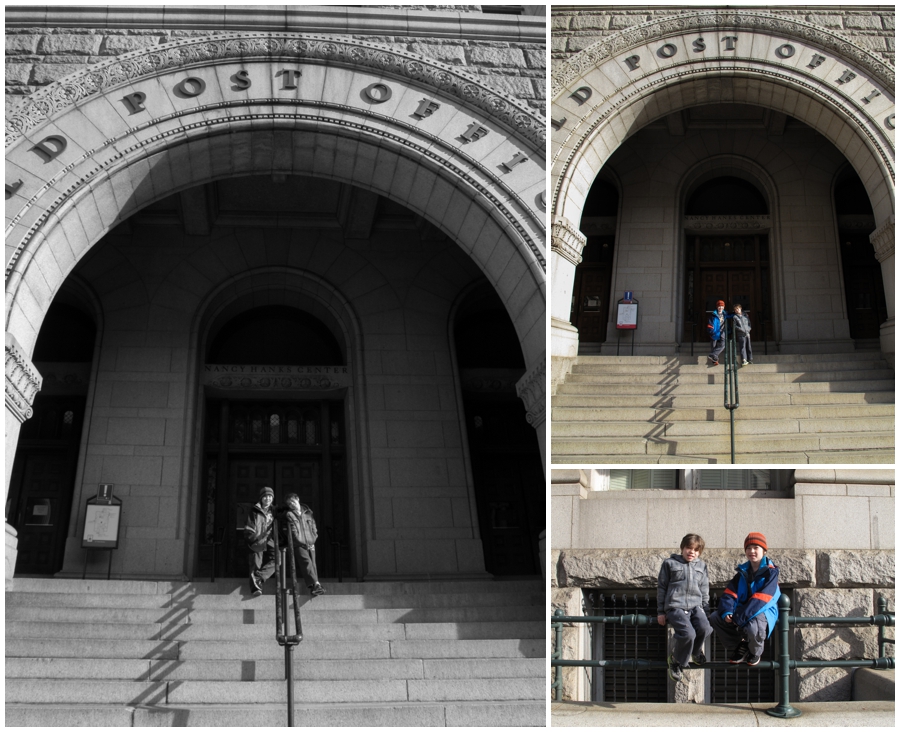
(36, 57)
(824, 583)
(575, 30)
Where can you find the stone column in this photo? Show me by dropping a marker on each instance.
(533, 393)
(566, 245)
(883, 241)
(23, 382)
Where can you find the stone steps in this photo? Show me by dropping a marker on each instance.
(793, 408)
(518, 713)
(145, 653)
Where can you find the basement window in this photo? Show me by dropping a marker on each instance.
(660, 479)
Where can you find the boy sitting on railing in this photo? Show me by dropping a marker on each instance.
(748, 609)
(682, 599)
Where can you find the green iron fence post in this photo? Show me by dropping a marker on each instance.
(784, 709)
(557, 681)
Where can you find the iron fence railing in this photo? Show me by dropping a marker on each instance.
(784, 665)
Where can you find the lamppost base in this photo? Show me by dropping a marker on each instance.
(784, 712)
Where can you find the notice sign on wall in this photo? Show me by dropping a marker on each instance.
(627, 316)
(101, 526)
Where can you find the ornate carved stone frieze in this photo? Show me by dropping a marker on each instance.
(23, 381)
(727, 224)
(856, 223)
(532, 390)
(712, 20)
(567, 240)
(277, 378)
(184, 54)
(883, 240)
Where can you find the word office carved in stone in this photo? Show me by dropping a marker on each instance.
(728, 43)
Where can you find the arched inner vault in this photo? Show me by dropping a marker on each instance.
(97, 147)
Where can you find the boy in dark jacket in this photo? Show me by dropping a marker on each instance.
(742, 334)
(682, 599)
(748, 609)
(298, 518)
(260, 540)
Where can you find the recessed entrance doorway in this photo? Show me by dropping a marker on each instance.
(294, 447)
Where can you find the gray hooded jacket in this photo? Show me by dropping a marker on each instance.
(682, 585)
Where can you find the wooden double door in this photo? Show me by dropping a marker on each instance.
(302, 476)
(731, 269)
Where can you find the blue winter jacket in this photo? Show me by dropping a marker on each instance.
(715, 326)
(744, 600)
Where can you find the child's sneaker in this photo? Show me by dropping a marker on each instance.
(316, 590)
(255, 589)
(740, 653)
(674, 669)
(698, 658)
(752, 660)
(746, 363)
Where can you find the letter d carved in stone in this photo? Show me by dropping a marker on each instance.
(12, 188)
(50, 147)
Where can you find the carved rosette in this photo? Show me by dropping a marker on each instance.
(263, 382)
(182, 54)
(23, 381)
(883, 240)
(566, 240)
(532, 390)
(657, 29)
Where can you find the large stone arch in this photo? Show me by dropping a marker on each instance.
(87, 152)
(615, 87)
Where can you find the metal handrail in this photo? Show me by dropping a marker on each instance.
(785, 664)
(285, 639)
(732, 398)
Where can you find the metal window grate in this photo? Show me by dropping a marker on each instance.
(615, 643)
(740, 684)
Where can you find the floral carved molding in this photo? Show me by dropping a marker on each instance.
(23, 381)
(532, 391)
(566, 240)
(184, 54)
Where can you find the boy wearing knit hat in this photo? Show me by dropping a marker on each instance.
(260, 540)
(748, 609)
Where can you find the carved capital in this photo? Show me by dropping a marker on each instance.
(566, 240)
(883, 240)
(23, 381)
(532, 390)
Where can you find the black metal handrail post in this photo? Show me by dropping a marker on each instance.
(285, 639)
(784, 710)
(732, 399)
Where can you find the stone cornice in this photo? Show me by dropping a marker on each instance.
(659, 28)
(532, 390)
(23, 381)
(128, 68)
(287, 18)
(727, 224)
(883, 240)
(566, 240)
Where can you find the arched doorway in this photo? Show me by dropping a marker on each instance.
(504, 453)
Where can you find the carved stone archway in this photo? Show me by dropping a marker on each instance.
(617, 86)
(85, 153)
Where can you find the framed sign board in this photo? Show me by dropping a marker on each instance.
(626, 319)
(101, 526)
